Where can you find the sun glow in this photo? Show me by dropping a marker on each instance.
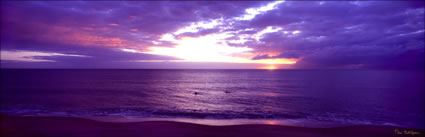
(210, 48)
(270, 67)
(275, 61)
(270, 122)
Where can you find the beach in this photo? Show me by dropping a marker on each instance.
(17, 126)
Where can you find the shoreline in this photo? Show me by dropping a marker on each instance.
(19, 126)
(212, 121)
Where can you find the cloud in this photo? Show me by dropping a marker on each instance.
(286, 54)
(32, 56)
(364, 34)
(341, 34)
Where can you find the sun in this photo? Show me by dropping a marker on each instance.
(270, 67)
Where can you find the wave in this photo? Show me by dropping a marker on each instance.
(294, 118)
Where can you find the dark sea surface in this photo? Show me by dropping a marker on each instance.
(333, 97)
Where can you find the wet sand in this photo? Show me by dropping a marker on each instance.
(13, 126)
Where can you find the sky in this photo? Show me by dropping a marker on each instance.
(213, 34)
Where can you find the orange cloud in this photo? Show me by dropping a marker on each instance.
(85, 36)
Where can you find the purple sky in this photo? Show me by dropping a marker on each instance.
(213, 34)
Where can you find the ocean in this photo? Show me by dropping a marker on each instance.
(317, 98)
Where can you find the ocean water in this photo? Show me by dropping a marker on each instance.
(299, 97)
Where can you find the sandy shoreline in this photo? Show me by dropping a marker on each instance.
(13, 126)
